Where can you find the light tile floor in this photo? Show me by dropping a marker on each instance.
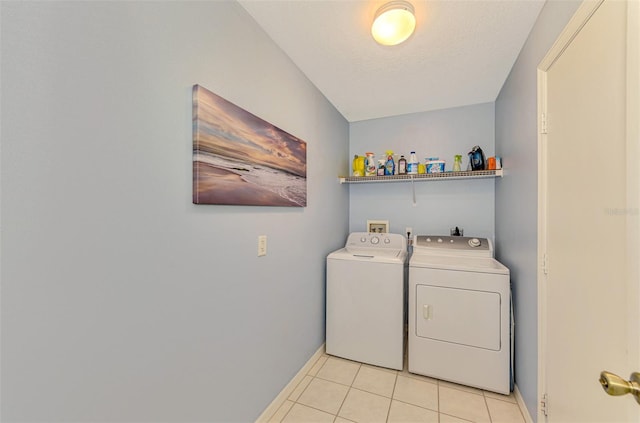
(343, 391)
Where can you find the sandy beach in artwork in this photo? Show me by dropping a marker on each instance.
(221, 186)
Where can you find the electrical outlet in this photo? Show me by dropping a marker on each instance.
(408, 230)
(262, 245)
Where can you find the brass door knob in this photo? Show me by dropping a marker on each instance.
(615, 385)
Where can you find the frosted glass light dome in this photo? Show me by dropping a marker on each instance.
(394, 23)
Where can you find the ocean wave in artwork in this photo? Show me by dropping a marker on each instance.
(222, 180)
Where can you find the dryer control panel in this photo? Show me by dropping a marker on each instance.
(440, 244)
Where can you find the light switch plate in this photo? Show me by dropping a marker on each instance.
(262, 245)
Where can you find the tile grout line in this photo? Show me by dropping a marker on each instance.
(393, 392)
(348, 390)
(298, 397)
(503, 400)
(486, 404)
(455, 417)
(438, 391)
(329, 380)
(310, 406)
(307, 387)
(269, 412)
(288, 411)
(296, 387)
(417, 406)
(313, 408)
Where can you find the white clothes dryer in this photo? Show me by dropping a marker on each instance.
(460, 313)
(365, 299)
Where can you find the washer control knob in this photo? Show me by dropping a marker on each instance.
(439, 239)
(363, 239)
(375, 240)
(428, 239)
(474, 242)
(387, 241)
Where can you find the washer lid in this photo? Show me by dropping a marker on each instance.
(465, 264)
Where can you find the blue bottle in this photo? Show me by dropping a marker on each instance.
(390, 165)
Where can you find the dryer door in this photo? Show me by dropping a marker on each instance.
(460, 316)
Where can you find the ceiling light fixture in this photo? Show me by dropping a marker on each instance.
(394, 23)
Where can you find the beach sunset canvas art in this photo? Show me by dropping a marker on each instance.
(239, 159)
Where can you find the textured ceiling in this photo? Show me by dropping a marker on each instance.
(460, 54)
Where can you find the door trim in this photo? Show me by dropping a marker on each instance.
(576, 23)
(633, 174)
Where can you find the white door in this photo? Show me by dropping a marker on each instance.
(588, 199)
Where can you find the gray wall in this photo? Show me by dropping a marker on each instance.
(439, 204)
(121, 300)
(517, 193)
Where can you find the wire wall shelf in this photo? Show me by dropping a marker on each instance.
(476, 174)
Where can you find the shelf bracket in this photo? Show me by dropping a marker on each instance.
(413, 190)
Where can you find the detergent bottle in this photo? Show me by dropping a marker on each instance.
(358, 165)
(390, 165)
(370, 168)
(412, 166)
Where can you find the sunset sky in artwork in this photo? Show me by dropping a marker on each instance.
(225, 129)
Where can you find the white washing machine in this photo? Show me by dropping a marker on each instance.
(365, 299)
(460, 313)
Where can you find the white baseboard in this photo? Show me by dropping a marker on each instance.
(284, 394)
(523, 406)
